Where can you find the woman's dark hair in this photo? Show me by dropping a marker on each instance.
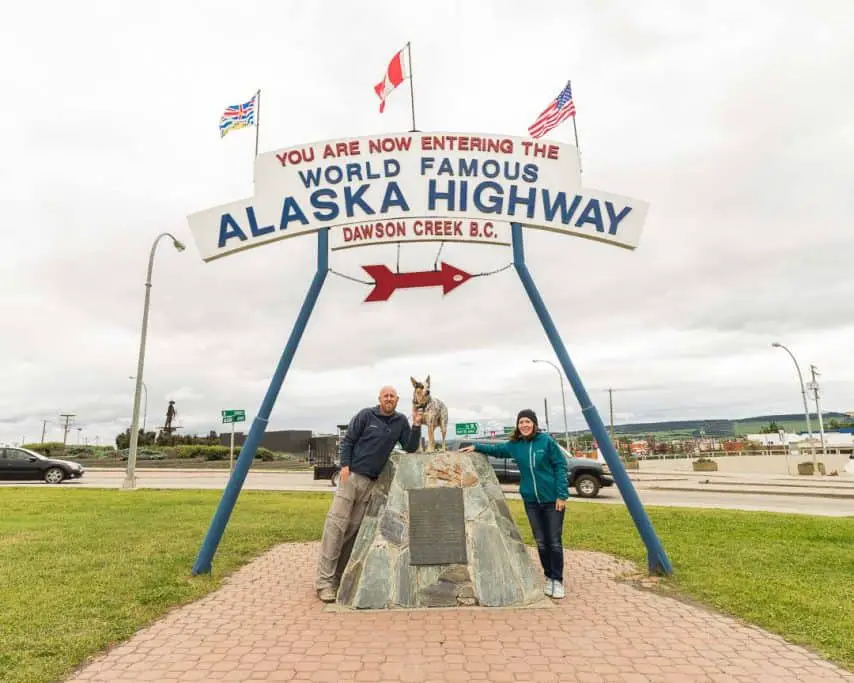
(516, 435)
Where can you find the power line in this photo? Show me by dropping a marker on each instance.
(350, 277)
(438, 254)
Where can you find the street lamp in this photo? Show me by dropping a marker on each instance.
(778, 345)
(562, 398)
(145, 404)
(130, 477)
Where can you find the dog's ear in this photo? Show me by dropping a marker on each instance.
(427, 382)
(414, 382)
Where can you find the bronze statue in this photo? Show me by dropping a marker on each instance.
(171, 413)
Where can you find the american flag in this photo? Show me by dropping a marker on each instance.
(561, 108)
(237, 116)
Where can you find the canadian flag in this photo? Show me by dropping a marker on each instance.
(394, 76)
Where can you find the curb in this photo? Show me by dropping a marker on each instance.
(827, 484)
(743, 492)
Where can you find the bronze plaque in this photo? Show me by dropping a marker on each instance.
(437, 526)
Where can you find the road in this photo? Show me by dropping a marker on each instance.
(300, 481)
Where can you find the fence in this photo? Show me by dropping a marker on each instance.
(323, 454)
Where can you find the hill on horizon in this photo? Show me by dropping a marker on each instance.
(717, 427)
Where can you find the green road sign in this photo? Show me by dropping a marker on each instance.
(233, 416)
(508, 430)
(466, 428)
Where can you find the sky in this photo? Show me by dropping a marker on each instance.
(734, 120)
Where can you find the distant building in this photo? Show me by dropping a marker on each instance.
(640, 448)
(833, 440)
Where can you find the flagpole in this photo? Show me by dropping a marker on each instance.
(575, 130)
(411, 87)
(257, 118)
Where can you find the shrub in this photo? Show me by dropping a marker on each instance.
(199, 451)
(265, 455)
(806, 467)
(105, 452)
(49, 449)
(196, 452)
(79, 452)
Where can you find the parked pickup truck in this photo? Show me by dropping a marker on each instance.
(586, 476)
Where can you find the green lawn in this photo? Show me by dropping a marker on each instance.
(82, 569)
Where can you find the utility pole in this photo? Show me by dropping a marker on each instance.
(44, 429)
(67, 417)
(814, 387)
(611, 404)
(546, 413)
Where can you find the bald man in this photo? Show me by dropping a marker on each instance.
(364, 451)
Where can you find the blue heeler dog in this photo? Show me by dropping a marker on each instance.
(435, 413)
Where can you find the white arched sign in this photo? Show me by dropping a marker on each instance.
(451, 187)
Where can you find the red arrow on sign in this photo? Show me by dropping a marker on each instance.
(385, 282)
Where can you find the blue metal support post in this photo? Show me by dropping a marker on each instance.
(259, 424)
(657, 559)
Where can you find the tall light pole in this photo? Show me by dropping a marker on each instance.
(130, 477)
(145, 404)
(562, 398)
(778, 345)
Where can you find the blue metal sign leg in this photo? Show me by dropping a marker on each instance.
(657, 559)
(259, 424)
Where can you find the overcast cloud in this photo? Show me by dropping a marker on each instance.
(735, 120)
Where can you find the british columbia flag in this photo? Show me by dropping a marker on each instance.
(237, 116)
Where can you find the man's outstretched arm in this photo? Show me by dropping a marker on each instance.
(410, 437)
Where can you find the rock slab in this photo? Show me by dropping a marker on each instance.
(498, 572)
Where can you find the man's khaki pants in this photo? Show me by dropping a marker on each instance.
(339, 531)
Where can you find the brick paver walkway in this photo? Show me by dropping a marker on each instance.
(266, 624)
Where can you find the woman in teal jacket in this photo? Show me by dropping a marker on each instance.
(544, 489)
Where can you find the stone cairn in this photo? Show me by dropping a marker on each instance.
(493, 566)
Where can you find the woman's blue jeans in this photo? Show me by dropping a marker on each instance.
(547, 527)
